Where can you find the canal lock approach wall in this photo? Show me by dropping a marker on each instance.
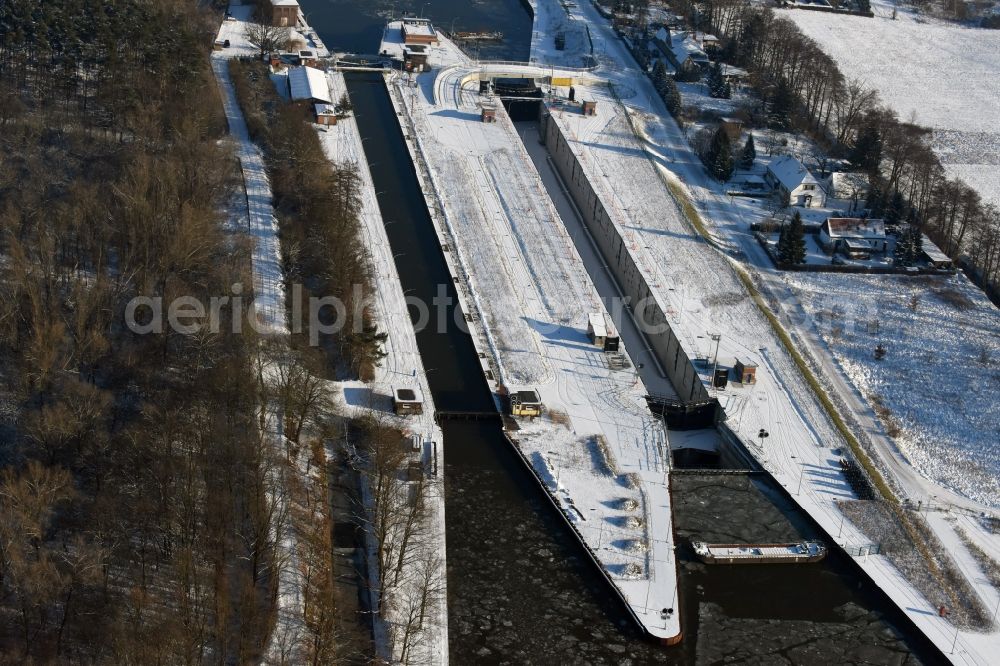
(661, 337)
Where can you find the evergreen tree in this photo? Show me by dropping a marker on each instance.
(719, 158)
(792, 251)
(909, 244)
(867, 151)
(782, 243)
(875, 201)
(716, 83)
(672, 97)
(749, 154)
(660, 77)
(667, 88)
(916, 241)
(904, 249)
(780, 113)
(893, 213)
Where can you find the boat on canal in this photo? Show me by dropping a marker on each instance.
(802, 552)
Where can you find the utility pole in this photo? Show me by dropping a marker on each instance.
(717, 337)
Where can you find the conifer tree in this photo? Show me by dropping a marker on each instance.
(749, 154)
(792, 251)
(867, 151)
(719, 158)
(780, 115)
(894, 209)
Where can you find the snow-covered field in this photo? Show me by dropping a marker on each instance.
(940, 75)
(940, 377)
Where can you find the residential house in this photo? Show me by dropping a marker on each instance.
(679, 48)
(853, 237)
(284, 13)
(793, 183)
(706, 41)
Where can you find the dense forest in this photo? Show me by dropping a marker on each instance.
(803, 88)
(135, 514)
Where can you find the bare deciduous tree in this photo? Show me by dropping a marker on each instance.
(265, 37)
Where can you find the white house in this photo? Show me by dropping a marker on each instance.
(308, 83)
(793, 183)
(854, 237)
(679, 48)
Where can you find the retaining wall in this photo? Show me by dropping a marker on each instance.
(645, 307)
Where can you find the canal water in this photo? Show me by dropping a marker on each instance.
(520, 588)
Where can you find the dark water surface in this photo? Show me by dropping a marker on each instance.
(520, 588)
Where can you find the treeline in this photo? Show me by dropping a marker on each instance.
(804, 88)
(317, 204)
(136, 515)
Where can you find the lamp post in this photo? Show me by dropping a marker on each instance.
(763, 434)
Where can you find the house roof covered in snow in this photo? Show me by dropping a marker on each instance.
(325, 110)
(684, 47)
(308, 83)
(933, 252)
(791, 173)
(854, 228)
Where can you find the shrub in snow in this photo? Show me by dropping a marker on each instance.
(631, 480)
(628, 504)
(632, 570)
(633, 545)
(633, 522)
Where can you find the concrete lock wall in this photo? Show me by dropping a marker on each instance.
(612, 246)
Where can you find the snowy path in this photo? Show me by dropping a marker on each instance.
(534, 294)
(701, 294)
(269, 309)
(262, 226)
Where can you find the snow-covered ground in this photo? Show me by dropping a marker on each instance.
(699, 290)
(939, 74)
(598, 450)
(269, 306)
(940, 378)
(402, 367)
